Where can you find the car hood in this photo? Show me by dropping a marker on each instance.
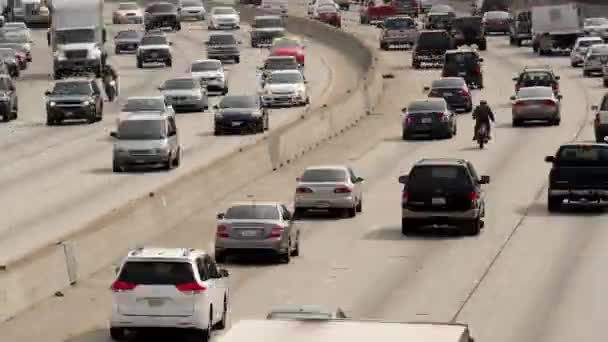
(76, 46)
(287, 87)
(138, 144)
(155, 47)
(68, 97)
(207, 74)
(225, 17)
(180, 92)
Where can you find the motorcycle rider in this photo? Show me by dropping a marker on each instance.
(109, 75)
(483, 115)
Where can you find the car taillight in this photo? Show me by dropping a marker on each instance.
(192, 288)
(409, 120)
(276, 232)
(445, 117)
(473, 196)
(121, 286)
(303, 190)
(404, 196)
(549, 103)
(464, 92)
(221, 231)
(519, 104)
(554, 86)
(342, 190)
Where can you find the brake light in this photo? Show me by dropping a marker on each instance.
(445, 117)
(192, 288)
(409, 120)
(303, 190)
(519, 104)
(221, 231)
(464, 92)
(549, 103)
(473, 196)
(404, 196)
(276, 232)
(121, 286)
(342, 190)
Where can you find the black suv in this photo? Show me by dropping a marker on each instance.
(537, 76)
(469, 31)
(520, 28)
(430, 47)
(8, 99)
(74, 99)
(464, 63)
(162, 14)
(443, 192)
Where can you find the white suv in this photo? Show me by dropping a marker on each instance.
(169, 288)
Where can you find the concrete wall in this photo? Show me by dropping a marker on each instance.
(34, 277)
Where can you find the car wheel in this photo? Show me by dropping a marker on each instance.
(286, 258)
(471, 228)
(298, 213)
(6, 117)
(383, 46)
(296, 250)
(169, 62)
(221, 325)
(116, 167)
(350, 212)
(225, 91)
(555, 122)
(605, 83)
(117, 334)
(140, 64)
(360, 206)
(206, 333)
(416, 65)
(178, 158)
(406, 227)
(117, 51)
(554, 203)
(220, 256)
(516, 122)
(237, 60)
(218, 131)
(586, 73)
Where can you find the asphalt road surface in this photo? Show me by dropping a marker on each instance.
(56, 179)
(529, 276)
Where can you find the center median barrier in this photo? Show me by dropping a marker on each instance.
(29, 278)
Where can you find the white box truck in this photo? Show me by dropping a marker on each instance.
(77, 37)
(556, 27)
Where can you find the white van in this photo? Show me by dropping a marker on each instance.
(275, 7)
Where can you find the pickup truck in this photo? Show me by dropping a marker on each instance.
(579, 173)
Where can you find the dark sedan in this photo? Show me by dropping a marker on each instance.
(455, 92)
(430, 117)
(240, 114)
(126, 41)
(497, 22)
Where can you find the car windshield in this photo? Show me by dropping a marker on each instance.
(426, 106)
(179, 83)
(205, 66)
(238, 102)
(14, 26)
(596, 21)
(192, 3)
(127, 35)
(438, 176)
(222, 39)
(223, 11)
(434, 40)
(583, 155)
(449, 83)
(544, 92)
(268, 22)
(598, 50)
(252, 212)
(289, 78)
(7, 54)
(161, 8)
(144, 105)
(324, 175)
(399, 24)
(156, 273)
(72, 88)
(141, 130)
(497, 15)
(286, 43)
(590, 42)
(125, 6)
(280, 64)
(153, 40)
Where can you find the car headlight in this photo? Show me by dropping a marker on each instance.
(256, 114)
(219, 115)
(52, 103)
(86, 103)
(59, 54)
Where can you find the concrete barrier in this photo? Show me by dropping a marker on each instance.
(38, 275)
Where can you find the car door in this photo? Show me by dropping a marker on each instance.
(354, 179)
(216, 287)
(476, 184)
(286, 216)
(172, 134)
(205, 277)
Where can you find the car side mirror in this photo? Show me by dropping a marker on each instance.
(206, 43)
(513, 98)
(359, 180)
(557, 77)
(114, 134)
(170, 43)
(160, 88)
(403, 179)
(595, 108)
(550, 159)
(404, 110)
(481, 60)
(216, 107)
(220, 216)
(484, 180)
(559, 96)
(515, 78)
(427, 88)
(224, 273)
(47, 93)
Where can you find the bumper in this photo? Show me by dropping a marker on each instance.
(430, 130)
(141, 160)
(77, 65)
(149, 58)
(430, 59)
(118, 320)
(225, 26)
(282, 100)
(215, 85)
(64, 113)
(535, 115)
(130, 20)
(126, 46)
(325, 203)
(277, 246)
(188, 104)
(574, 194)
(497, 28)
(223, 55)
(398, 40)
(432, 217)
(459, 103)
(235, 126)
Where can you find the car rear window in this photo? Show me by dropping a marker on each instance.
(154, 40)
(434, 40)
(450, 83)
(280, 64)
(425, 177)
(535, 92)
(537, 76)
(461, 58)
(222, 39)
(161, 8)
(497, 15)
(156, 273)
(427, 106)
(253, 212)
(268, 22)
(583, 155)
(324, 175)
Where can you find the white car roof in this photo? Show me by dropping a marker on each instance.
(327, 167)
(186, 254)
(253, 203)
(286, 72)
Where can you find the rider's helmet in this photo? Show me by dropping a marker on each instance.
(483, 102)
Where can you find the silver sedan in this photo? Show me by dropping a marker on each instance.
(536, 103)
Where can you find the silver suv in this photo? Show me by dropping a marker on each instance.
(146, 139)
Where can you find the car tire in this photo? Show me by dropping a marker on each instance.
(469, 107)
(517, 42)
(415, 64)
(178, 158)
(605, 83)
(573, 64)
(472, 228)
(254, 44)
(169, 62)
(140, 64)
(350, 212)
(223, 323)
(296, 250)
(298, 213)
(554, 203)
(56, 76)
(383, 46)
(586, 73)
(359, 207)
(116, 51)
(405, 136)
(220, 256)
(516, 122)
(483, 45)
(6, 117)
(217, 131)
(237, 60)
(117, 334)
(556, 122)
(406, 227)
(117, 168)
(225, 91)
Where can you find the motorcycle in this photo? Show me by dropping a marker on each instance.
(482, 136)
(111, 90)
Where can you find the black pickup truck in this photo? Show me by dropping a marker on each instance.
(579, 173)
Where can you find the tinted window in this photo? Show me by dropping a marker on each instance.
(537, 76)
(280, 64)
(583, 155)
(424, 177)
(127, 34)
(160, 8)
(156, 273)
(324, 175)
(142, 105)
(222, 39)
(535, 92)
(461, 58)
(399, 24)
(253, 212)
(451, 83)
(466, 22)
(179, 83)
(327, 9)
(142, 130)
(224, 11)
(72, 36)
(426, 106)
(268, 22)
(205, 66)
(596, 21)
(434, 40)
(72, 88)
(292, 77)
(239, 102)
(587, 43)
(286, 43)
(127, 6)
(154, 40)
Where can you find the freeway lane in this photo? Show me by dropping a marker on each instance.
(56, 179)
(547, 277)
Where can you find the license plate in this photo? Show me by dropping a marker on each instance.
(448, 94)
(154, 302)
(236, 123)
(139, 161)
(462, 74)
(69, 114)
(154, 54)
(323, 205)
(426, 120)
(249, 233)
(438, 201)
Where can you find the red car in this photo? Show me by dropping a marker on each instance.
(288, 47)
(328, 14)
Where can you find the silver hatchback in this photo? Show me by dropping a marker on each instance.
(257, 227)
(329, 187)
(536, 103)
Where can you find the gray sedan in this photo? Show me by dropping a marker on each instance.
(257, 227)
(536, 103)
(185, 94)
